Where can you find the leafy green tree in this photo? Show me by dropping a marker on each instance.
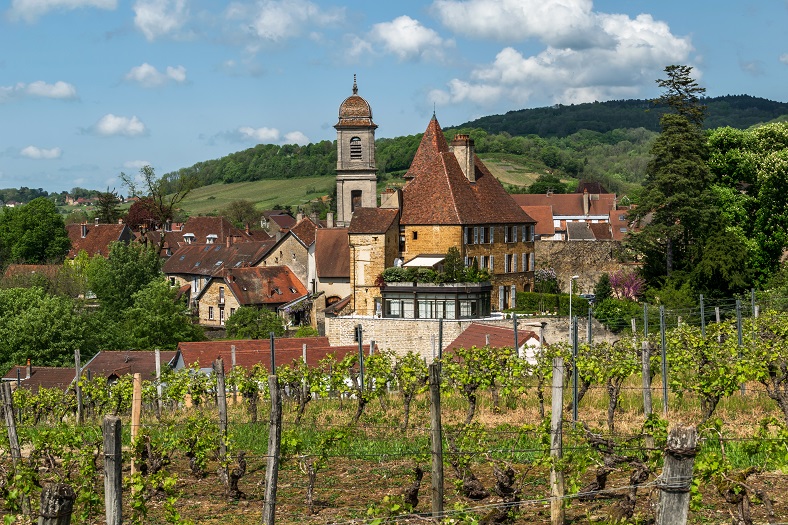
(453, 266)
(46, 329)
(33, 233)
(107, 210)
(158, 319)
(241, 212)
(545, 183)
(126, 271)
(603, 290)
(676, 196)
(249, 322)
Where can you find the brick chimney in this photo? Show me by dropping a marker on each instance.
(463, 148)
(28, 369)
(84, 230)
(586, 201)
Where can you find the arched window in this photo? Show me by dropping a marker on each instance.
(355, 148)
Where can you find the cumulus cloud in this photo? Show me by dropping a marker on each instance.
(34, 152)
(296, 137)
(274, 21)
(259, 134)
(148, 76)
(31, 10)
(157, 18)
(110, 125)
(408, 39)
(618, 58)
(784, 58)
(136, 164)
(58, 90)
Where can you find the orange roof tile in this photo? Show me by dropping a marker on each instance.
(372, 220)
(270, 285)
(332, 253)
(96, 238)
(477, 334)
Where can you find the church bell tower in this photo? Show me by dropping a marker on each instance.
(356, 170)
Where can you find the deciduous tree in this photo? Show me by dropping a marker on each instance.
(33, 233)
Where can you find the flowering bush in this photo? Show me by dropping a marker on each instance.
(626, 285)
(545, 280)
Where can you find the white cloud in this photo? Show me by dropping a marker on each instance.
(31, 10)
(34, 152)
(274, 21)
(136, 164)
(408, 38)
(148, 76)
(259, 134)
(156, 18)
(110, 125)
(558, 23)
(296, 137)
(784, 58)
(627, 58)
(58, 90)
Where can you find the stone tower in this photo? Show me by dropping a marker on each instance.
(356, 171)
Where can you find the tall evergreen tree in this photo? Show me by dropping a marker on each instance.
(677, 208)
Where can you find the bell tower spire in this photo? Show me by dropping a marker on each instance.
(356, 169)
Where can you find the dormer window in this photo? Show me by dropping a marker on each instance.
(211, 238)
(188, 237)
(355, 148)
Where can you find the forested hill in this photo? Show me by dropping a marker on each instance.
(626, 124)
(738, 111)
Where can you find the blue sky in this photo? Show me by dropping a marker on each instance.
(92, 88)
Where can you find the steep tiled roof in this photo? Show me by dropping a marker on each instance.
(543, 215)
(270, 285)
(208, 259)
(304, 231)
(602, 231)
(476, 335)
(117, 363)
(250, 352)
(372, 220)
(439, 193)
(332, 253)
(96, 238)
(221, 227)
(590, 187)
(42, 377)
(281, 219)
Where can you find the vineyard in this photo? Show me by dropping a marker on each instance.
(357, 435)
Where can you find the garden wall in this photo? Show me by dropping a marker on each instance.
(588, 259)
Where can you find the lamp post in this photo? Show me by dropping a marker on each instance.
(571, 281)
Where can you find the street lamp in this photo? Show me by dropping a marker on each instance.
(571, 281)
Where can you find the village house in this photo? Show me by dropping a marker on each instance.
(274, 287)
(481, 335)
(95, 239)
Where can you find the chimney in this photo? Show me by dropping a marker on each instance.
(486, 339)
(229, 240)
(246, 227)
(586, 199)
(463, 149)
(299, 216)
(29, 369)
(330, 219)
(314, 218)
(120, 221)
(168, 225)
(391, 198)
(96, 221)
(84, 230)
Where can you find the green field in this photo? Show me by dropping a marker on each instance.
(265, 194)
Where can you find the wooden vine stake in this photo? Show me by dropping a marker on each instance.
(556, 445)
(221, 401)
(676, 479)
(113, 463)
(136, 414)
(7, 404)
(274, 443)
(57, 504)
(437, 440)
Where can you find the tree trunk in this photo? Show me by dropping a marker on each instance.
(406, 401)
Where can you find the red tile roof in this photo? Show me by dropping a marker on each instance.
(439, 192)
(332, 253)
(96, 238)
(49, 271)
(602, 231)
(122, 362)
(569, 204)
(42, 377)
(304, 231)
(476, 335)
(543, 215)
(250, 352)
(372, 220)
(270, 285)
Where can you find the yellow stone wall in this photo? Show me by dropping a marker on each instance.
(211, 298)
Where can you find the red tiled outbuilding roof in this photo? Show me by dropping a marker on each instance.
(477, 335)
(96, 238)
(372, 220)
(122, 362)
(332, 253)
(42, 377)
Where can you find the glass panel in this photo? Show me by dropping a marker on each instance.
(407, 309)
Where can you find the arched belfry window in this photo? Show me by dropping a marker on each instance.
(355, 148)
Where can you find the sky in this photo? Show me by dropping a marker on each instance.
(93, 88)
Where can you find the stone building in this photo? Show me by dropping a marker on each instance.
(373, 234)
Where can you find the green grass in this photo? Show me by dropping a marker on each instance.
(265, 194)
